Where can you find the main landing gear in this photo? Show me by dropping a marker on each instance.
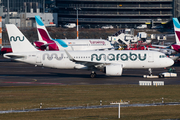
(93, 74)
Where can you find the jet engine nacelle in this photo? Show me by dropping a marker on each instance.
(113, 70)
(81, 67)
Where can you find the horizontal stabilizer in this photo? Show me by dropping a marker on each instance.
(13, 56)
(45, 45)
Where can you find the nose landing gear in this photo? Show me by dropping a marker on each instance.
(150, 74)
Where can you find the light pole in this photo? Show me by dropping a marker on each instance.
(8, 11)
(77, 21)
(43, 6)
(119, 106)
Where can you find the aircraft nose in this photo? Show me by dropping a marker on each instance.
(170, 62)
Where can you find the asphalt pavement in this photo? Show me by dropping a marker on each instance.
(21, 74)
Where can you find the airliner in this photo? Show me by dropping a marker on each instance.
(47, 43)
(176, 46)
(111, 62)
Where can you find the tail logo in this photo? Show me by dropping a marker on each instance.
(12, 38)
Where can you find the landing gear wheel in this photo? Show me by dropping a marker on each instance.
(161, 76)
(150, 72)
(93, 74)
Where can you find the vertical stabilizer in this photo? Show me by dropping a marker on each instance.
(0, 30)
(43, 34)
(18, 41)
(177, 30)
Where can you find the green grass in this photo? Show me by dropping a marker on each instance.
(79, 95)
(18, 98)
(128, 113)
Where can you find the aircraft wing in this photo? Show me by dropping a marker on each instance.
(175, 57)
(89, 63)
(161, 46)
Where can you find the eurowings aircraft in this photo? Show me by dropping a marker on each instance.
(48, 43)
(175, 46)
(111, 62)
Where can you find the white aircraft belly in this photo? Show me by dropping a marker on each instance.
(63, 64)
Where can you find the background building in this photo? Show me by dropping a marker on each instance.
(22, 12)
(91, 13)
(177, 8)
(23, 5)
(28, 5)
(118, 12)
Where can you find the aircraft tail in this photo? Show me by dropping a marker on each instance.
(18, 41)
(177, 30)
(43, 34)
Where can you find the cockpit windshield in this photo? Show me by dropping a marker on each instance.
(162, 56)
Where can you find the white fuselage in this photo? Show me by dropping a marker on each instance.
(128, 58)
(78, 44)
(85, 44)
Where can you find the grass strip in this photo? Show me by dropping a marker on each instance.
(128, 113)
(27, 97)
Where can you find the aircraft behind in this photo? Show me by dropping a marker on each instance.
(176, 46)
(111, 62)
(48, 43)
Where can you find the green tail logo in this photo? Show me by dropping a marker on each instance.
(12, 38)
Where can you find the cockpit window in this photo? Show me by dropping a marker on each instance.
(162, 56)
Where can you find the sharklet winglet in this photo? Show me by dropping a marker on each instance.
(70, 57)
